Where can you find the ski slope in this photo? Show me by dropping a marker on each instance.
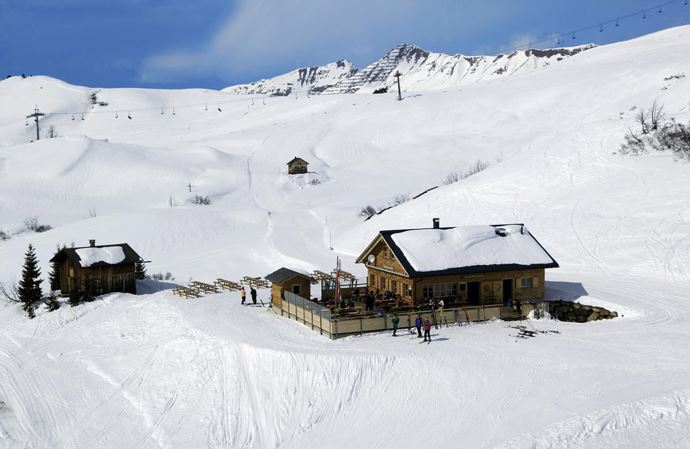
(154, 371)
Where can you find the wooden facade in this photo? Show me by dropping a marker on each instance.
(389, 271)
(294, 282)
(98, 278)
(297, 166)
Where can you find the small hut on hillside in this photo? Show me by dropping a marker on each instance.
(297, 166)
(97, 270)
(292, 281)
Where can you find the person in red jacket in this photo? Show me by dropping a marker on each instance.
(427, 330)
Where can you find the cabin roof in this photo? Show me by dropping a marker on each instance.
(464, 249)
(99, 255)
(285, 274)
(297, 159)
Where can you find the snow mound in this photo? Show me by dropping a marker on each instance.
(111, 255)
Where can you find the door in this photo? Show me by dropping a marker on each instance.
(473, 293)
(507, 291)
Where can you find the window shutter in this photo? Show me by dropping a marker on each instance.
(535, 282)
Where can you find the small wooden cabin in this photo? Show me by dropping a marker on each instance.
(292, 281)
(297, 166)
(97, 270)
(469, 265)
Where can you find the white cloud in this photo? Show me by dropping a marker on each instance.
(265, 36)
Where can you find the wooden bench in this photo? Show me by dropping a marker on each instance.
(227, 285)
(186, 292)
(207, 288)
(255, 282)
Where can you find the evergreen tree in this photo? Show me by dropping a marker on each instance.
(139, 271)
(52, 303)
(30, 285)
(74, 297)
(54, 277)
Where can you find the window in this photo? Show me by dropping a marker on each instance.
(406, 290)
(445, 289)
(372, 280)
(295, 289)
(526, 282)
(394, 286)
(463, 286)
(428, 291)
(383, 283)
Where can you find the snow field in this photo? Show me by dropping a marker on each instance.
(156, 371)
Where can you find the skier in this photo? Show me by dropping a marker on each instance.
(418, 322)
(396, 320)
(243, 294)
(427, 330)
(253, 293)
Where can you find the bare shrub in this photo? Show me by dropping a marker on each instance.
(4, 235)
(367, 211)
(161, 277)
(32, 224)
(657, 134)
(9, 291)
(454, 176)
(202, 200)
(402, 198)
(477, 167)
(52, 132)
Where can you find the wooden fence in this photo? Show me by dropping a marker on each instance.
(321, 319)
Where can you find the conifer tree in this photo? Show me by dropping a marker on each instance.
(74, 298)
(139, 271)
(52, 303)
(54, 276)
(29, 290)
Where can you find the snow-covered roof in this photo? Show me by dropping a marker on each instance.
(102, 255)
(466, 249)
(109, 255)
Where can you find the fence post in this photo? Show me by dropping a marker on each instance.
(312, 317)
(361, 327)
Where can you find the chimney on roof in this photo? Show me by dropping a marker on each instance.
(92, 243)
(437, 223)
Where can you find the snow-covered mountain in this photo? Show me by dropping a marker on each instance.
(309, 80)
(420, 69)
(153, 371)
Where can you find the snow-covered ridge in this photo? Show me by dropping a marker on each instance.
(421, 69)
(310, 80)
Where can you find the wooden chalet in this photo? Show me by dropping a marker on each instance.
(297, 166)
(469, 265)
(97, 270)
(292, 281)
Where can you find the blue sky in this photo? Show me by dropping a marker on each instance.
(216, 43)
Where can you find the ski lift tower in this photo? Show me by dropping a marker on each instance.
(36, 115)
(397, 76)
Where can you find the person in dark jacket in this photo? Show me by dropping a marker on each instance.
(396, 321)
(427, 330)
(418, 323)
(253, 293)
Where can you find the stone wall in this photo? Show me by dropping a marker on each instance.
(578, 313)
